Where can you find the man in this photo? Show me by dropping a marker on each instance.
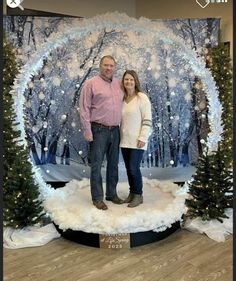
(100, 113)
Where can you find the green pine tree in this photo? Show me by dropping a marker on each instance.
(199, 189)
(211, 189)
(21, 204)
(221, 68)
(222, 181)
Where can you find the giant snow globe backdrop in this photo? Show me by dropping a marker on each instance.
(64, 52)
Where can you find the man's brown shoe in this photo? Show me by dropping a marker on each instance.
(115, 200)
(100, 205)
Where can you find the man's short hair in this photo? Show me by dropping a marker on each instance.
(107, 57)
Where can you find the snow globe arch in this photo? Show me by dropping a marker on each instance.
(142, 27)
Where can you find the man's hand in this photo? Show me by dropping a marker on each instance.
(140, 144)
(89, 138)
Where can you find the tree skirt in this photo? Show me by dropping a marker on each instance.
(213, 229)
(30, 236)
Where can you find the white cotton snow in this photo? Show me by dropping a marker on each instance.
(71, 207)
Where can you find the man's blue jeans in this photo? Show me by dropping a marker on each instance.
(105, 142)
(132, 158)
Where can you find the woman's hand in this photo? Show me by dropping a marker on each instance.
(140, 144)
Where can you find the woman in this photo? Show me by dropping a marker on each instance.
(135, 130)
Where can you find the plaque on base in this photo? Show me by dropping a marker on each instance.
(114, 241)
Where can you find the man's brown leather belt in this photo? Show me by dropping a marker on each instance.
(103, 126)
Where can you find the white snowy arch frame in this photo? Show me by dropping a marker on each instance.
(120, 22)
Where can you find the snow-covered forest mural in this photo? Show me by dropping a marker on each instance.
(179, 103)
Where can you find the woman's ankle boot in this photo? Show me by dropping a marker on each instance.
(137, 200)
(129, 198)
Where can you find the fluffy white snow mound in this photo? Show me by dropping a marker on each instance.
(71, 207)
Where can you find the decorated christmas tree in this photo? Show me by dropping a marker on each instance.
(221, 68)
(20, 192)
(212, 187)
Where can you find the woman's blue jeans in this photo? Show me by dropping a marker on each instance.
(105, 142)
(132, 158)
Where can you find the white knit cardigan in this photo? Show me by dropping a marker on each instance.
(136, 122)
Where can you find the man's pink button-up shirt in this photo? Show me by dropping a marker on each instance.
(100, 101)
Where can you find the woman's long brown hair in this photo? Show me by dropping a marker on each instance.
(136, 81)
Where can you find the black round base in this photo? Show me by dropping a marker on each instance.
(135, 239)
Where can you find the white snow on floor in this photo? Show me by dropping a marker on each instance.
(71, 207)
